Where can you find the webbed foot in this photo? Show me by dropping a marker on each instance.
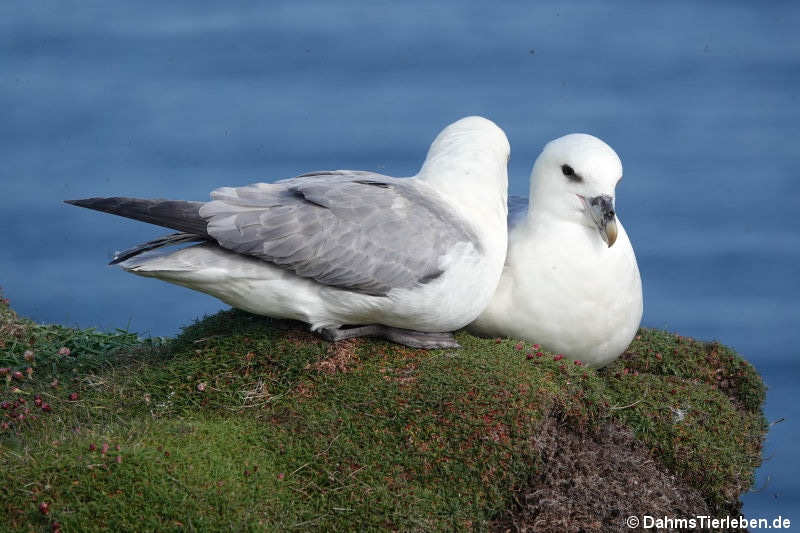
(407, 337)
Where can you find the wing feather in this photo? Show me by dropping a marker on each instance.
(356, 230)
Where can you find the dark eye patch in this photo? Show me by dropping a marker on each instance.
(569, 172)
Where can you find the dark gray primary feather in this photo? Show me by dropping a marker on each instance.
(169, 240)
(176, 214)
(356, 230)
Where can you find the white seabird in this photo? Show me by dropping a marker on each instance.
(408, 259)
(570, 282)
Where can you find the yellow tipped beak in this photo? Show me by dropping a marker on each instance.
(611, 232)
(601, 209)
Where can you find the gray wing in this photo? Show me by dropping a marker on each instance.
(355, 230)
(517, 209)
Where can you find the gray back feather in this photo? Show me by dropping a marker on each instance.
(517, 210)
(360, 231)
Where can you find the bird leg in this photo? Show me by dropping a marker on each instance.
(407, 337)
(419, 339)
(342, 333)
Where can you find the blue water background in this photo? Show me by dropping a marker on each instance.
(700, 99)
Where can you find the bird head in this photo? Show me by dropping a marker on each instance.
(574, 178)
(473, 149)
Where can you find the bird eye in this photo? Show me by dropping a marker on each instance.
(570, 173)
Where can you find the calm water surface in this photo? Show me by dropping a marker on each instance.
(699, 99)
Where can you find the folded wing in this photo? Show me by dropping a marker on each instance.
(355, 230)
(359, 231)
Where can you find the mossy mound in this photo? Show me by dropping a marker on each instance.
(248, 423)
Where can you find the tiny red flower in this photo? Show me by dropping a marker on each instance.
(46, 407)
(92, 447)
(73, 396)
(44, 507)
(578, 362)
(281, 476)
(518, 346)
(529, 356)
(63, 351)
(537, 346)
(558, 357)
(539, 354)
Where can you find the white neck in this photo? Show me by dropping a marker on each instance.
(467, 165)
(477, 185)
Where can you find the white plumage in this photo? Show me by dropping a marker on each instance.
(345, 247)
(570, 282)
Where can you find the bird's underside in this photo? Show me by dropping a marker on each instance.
(407, 337)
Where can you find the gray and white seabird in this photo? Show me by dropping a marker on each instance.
(570, 282)
(408, 259)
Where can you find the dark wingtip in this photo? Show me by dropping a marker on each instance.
(85, 202)
(175, 214)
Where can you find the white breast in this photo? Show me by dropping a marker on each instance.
(566, 290)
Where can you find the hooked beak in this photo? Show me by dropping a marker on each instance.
(601, 209)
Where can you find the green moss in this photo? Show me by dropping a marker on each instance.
(711, 363)
(89, 350)
(248, 423)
